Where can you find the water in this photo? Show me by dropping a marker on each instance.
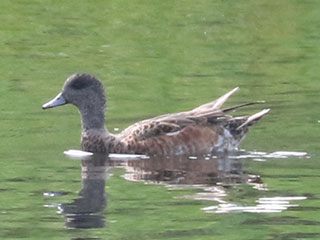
(154, 58)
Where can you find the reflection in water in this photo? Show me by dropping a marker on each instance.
(86, 211)
(264, 205)
(214, 175)
(206, 171)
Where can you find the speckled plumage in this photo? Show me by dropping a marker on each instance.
(205, 129)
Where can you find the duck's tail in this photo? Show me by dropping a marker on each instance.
(253, 118)
(239, 126)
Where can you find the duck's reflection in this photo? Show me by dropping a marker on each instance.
(188, 170)
(87, 210)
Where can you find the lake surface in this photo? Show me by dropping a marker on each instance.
(154, 58)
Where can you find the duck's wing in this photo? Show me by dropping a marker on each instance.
(204, 115)
(216, 104)
(151, 128)
(169, 124)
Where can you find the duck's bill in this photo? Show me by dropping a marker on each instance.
(57, 101)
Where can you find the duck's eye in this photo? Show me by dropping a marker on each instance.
(80, 84)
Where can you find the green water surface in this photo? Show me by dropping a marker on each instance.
(156, 57)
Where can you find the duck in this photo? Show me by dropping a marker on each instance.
(206, 129)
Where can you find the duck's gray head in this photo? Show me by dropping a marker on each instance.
(82, 90)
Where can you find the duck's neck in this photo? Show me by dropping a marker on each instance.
(92, 118)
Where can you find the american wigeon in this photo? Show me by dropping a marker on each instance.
(203, 130)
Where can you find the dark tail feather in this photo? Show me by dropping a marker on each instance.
(241, 106)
